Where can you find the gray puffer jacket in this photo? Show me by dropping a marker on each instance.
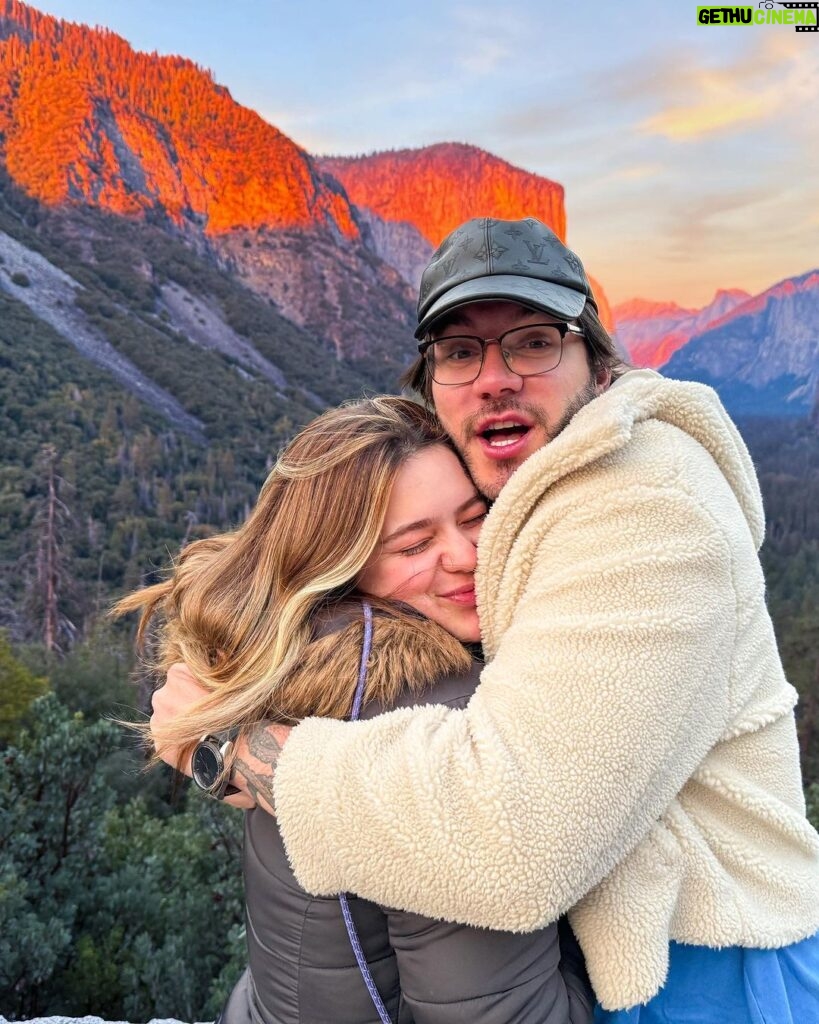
(302, 967)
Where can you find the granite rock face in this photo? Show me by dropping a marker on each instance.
(398, 243)
(762, 356)
(438, 187)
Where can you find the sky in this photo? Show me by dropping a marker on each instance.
(689, 154)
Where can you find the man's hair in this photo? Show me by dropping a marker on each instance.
(601, 351)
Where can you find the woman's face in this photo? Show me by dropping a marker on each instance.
(427, 553)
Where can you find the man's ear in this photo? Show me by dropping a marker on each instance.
(602, 379)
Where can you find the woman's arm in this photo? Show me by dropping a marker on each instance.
(412, 661)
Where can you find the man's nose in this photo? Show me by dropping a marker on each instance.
(495, 377)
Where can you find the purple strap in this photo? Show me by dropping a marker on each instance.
(355, 942)
(365, 657)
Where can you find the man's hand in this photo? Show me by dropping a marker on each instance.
(256, 756)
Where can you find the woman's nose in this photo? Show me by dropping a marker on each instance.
(461, 554)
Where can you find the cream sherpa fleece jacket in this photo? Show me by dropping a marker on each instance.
(630, 751)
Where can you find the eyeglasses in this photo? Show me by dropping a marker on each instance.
(527, 351)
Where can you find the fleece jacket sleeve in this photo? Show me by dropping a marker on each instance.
(608, 687)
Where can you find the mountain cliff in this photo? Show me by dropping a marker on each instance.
(336, 244)
(85, 118)
(438, 187)
(653, 331)
(763, 355)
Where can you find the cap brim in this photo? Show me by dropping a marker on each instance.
(556, 299)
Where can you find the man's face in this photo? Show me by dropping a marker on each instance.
(500, 419)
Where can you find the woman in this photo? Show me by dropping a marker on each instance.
(368, 500)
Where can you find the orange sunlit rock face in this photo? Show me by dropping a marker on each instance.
(603, 307)
(84, 117)
(439, 187)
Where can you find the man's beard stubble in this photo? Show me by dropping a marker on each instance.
(505, 468)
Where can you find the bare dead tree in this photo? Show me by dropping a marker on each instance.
(50, 519)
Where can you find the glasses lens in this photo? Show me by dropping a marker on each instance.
(535, 349)
(454, 360)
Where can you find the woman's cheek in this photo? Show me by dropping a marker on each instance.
(413, 580)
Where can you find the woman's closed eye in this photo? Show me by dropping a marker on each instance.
(416, 549)
(476, 520)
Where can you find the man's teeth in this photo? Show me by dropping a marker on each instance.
(499, 437)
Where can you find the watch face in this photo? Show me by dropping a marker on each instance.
(205, 766)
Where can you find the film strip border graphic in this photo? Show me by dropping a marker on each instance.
(814, 6)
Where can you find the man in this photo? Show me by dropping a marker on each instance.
(630, 754)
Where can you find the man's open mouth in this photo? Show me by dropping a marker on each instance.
(505, 434)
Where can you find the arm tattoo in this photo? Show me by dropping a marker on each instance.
(264, 745)
(260, 788)
(259, 778)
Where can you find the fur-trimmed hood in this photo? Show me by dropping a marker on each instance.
(407, 652)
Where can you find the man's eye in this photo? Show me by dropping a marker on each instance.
(458, 355)
(534, 344)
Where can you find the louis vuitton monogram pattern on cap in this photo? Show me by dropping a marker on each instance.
(517, 260)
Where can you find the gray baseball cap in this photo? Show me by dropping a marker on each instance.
(516, 260)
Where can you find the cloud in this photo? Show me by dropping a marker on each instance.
(769, 80)
(485, 56)
(716, 221)
(485, 39)
(639, 172)
(721, 108)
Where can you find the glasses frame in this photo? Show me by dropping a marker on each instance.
(562, 327)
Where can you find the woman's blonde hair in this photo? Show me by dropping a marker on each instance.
(240, 608)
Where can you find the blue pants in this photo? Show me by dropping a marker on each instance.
(732, 986)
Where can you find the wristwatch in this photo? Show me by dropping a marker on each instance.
(208, 764)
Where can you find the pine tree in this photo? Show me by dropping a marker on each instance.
(18, 688)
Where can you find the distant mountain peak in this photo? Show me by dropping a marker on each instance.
(763, 353)
(640, 309)
(730, 293)
(653, 331)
